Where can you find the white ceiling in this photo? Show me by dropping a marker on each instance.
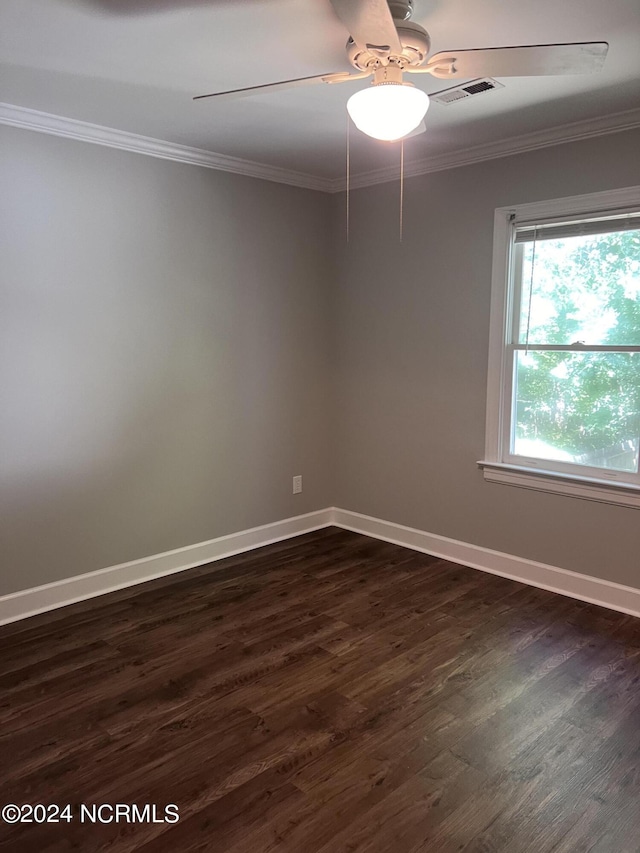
(135, 64)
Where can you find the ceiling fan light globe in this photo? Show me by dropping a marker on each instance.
(388, 111)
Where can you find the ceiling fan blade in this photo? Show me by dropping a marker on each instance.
(522, 61)
(370, 25)
(338, 77)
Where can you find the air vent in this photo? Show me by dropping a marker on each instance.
(459, 93)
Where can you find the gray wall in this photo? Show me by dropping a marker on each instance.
(177, 343)
(163, 355)
(411, 344)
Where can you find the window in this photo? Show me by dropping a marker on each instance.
(563, 409)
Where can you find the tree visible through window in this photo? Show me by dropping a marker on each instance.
(576, 366)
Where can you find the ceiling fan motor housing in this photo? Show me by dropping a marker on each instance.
(415, 42)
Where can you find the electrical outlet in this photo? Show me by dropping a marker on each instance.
(297, 484)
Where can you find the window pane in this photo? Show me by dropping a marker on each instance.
(582, 289)
(580, 408)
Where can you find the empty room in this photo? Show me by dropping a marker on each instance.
(319, 426)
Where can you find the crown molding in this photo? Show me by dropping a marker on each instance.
(42, 122)
(572, 132)
(83, 131)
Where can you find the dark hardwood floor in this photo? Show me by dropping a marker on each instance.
(328, 694)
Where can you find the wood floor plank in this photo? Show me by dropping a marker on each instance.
(326, 694)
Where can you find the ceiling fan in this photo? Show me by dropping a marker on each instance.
(386, 44)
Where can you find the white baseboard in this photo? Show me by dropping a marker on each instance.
(615, 596)
(29, 602)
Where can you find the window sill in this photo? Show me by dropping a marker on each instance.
(604, 491)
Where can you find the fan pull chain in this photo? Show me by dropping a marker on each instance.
(533, 264)
(348, 169)
(401, 185)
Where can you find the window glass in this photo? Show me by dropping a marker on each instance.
(579, 408)
(581, 289)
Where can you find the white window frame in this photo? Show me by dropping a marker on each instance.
(498, 465)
